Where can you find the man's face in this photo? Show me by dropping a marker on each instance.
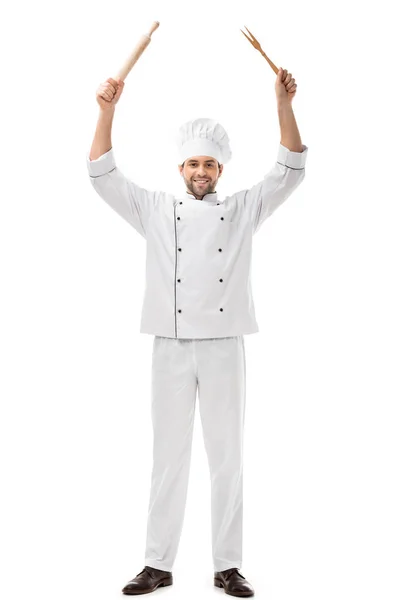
(198, 168)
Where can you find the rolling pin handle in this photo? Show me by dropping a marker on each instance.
(153, 27)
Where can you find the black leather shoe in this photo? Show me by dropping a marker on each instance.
(233, 582)
(147, 581)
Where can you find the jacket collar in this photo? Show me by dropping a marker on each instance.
(211, 198)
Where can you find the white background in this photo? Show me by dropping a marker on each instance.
(322, 446)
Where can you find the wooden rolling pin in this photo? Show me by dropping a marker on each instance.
(137, 52)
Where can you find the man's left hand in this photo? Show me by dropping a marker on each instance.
(285, 87)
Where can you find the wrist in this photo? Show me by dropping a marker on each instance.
(284, 105)
(106, 114)
(107, 111)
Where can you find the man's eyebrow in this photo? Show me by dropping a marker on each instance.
(195, 160)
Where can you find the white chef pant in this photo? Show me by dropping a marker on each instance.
(217, 367)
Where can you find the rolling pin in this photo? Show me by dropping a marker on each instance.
(137, 52)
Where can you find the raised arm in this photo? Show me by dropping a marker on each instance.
(285, 89)
(279, 183)
(131, 202)
(107, 96)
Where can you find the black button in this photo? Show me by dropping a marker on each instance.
(221, 279)
(180, 202)
(179, 310)
(221, 309)
(179, 280)
(180, 249)
(178, 218)
(217, 203)
(222, 218)
(220, 249)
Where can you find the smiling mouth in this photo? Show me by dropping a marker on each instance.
(201, 182)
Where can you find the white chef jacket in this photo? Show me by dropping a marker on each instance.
(198, 258)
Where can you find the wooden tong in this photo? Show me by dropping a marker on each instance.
(257, 46)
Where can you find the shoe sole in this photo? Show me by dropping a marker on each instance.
(136, 593)
(220, 584)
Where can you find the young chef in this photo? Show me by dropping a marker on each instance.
(198, 304)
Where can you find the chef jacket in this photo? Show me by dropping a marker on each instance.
(198, 252)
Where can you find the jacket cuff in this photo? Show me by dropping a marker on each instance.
(102, 165)
(294, 160)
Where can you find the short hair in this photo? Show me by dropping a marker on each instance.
(183, 164)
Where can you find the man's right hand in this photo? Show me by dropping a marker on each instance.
(109, 92)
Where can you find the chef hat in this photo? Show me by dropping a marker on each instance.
(203, 137)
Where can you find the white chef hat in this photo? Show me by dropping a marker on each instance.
(203, 137)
